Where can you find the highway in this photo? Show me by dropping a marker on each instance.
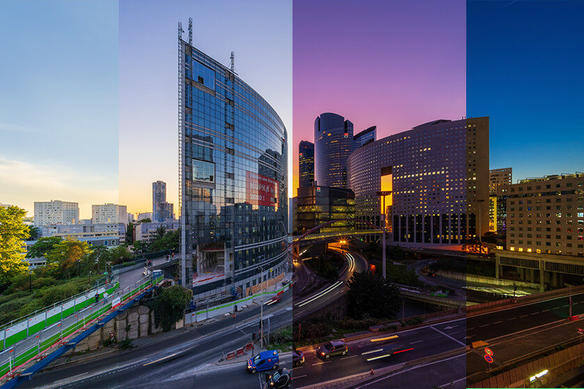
(304, 305)
(511, 333)
(166, 356)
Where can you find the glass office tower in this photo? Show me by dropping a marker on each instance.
(232, 179)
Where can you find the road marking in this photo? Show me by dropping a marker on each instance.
(417, 341)
(319, 363)
(484, 325)
(350, 356)
(372, 351)
(449, 327)
(288, 308)
(300, 376)
(498, 322)
(378, 357)
(448, 336)
(160, 359)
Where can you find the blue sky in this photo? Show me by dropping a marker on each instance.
(58, 105)
(524, 70)
(260, 33)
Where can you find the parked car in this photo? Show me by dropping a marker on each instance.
(281, 378)
(297, 358)
(332, 349)
(266, 360)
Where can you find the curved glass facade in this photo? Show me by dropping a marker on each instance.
(333, 142)
(233, 176)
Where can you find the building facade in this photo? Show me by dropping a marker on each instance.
(364, 137)
(546, 215)
(431, 182)
(161, 210)
(109, 213)
(106, 234)
(55, 212)
(147, 232)
(232, 177)
(316, 205)
(306, 164)
(499, 182)
(333, 143)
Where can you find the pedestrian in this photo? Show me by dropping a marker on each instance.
(96, 297)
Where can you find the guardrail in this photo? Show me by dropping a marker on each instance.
(20, 329)
(36, 347)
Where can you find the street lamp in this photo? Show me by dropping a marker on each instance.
(382, 195)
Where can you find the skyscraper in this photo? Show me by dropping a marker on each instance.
(109, 213)
(333, 142)
(306, 163)
(232, 178)
(161, 210)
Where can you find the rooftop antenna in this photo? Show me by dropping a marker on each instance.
(191, 31)
(233, 61)
(180, 30)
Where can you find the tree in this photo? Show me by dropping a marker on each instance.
(130, 233)
(34, 233)
(370, 295)
(169, 306)
(13, 232)
(120, 254)
(68, 255)
(43, 246)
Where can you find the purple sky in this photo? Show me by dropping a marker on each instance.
(394, 64)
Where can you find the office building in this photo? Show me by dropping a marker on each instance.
(333, 143)
(161, 210)
(306, 163)
(365, 137)
(109, 213)
(55, 212)
(546, 215)
(232, 178)
(430, 182)
(144, 216)
(316, 205)
(499, 181)
(105, 234)
(147, 232)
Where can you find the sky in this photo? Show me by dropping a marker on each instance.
(525, 72)
(393, 64)
(58, 102)
(260, 34)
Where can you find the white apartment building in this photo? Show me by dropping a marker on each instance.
(55, 212)
(109, 213)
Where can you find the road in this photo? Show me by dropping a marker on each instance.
(511, 332)
(151, 365)
(329, 293)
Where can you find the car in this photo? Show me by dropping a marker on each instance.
(279, 379)
(264, 361)
(297, 358)
(332, 349)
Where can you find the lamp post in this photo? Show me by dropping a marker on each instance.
(382, 195)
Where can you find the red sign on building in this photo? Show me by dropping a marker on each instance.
(260, 190)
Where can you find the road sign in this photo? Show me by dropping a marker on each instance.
(488, 351)
(489, 358)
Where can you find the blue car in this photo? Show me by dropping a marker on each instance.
(266, 360)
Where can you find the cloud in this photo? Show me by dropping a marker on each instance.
(12, 127)
(22, 183)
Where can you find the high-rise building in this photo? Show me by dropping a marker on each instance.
(161, 210)
(319, 204)
(109, 213)
(364, 137)
(306, 163)
(499, 178)
(430, 182)
(499, 181)
(55, 212)
(232, 178)
(333, 143)
(546, 215)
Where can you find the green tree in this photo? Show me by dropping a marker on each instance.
(34, 233)
(169, 306)
(120, 254)
(130, 233)
(68, 256)
(13, 232)
(43, 246)
(370, 295)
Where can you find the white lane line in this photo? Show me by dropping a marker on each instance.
(448, 336)
(160, 359)
(372, 351)
(299, 376)
(350, 356)
(498, 322)
(417, 341)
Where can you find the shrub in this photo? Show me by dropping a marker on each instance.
(169, 306)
